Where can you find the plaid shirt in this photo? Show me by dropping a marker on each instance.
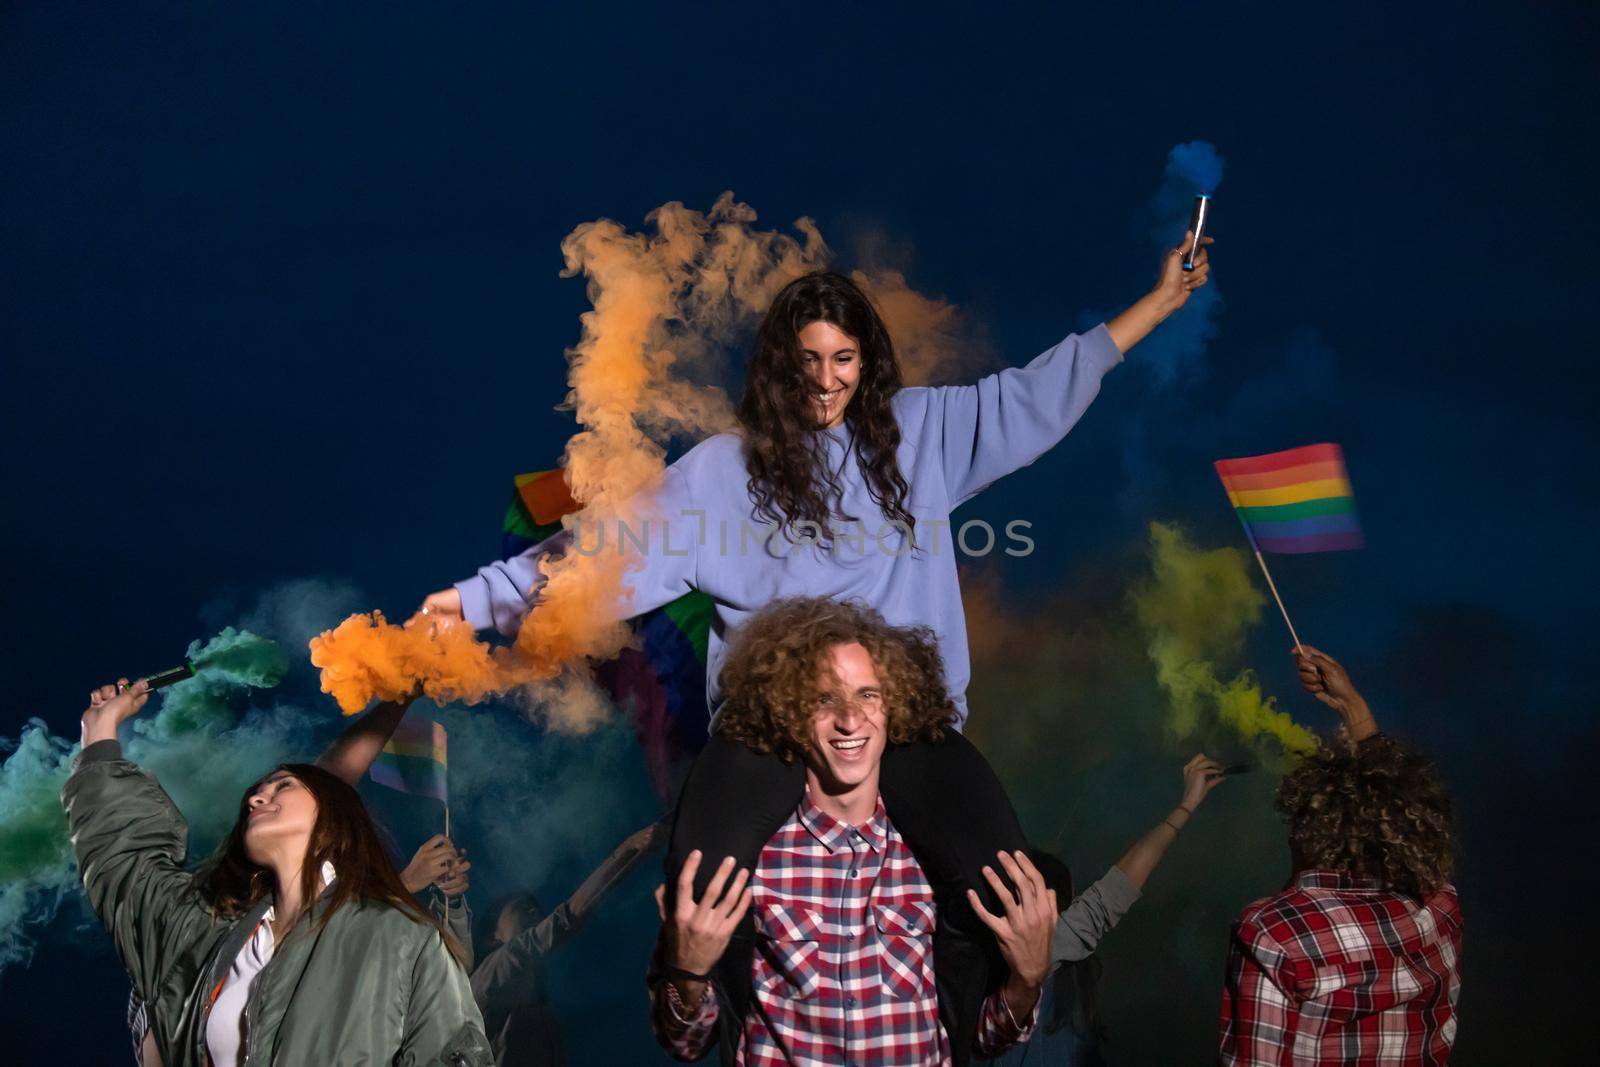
(843, 970)
(1336, 970)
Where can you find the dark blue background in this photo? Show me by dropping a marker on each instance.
(280, 299)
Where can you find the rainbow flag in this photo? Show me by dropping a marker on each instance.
(415, 760)
(1294, 501)
(662, 678)
(538, 501)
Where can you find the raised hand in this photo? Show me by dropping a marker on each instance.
(109, 707)
(1325, 678)
(1024, 929)
(1176, 283)
(1200, 776)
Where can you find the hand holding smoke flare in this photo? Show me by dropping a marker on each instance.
(194, 742)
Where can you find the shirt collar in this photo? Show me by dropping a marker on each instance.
(831, 834)
(327, 880)
(1338, 880)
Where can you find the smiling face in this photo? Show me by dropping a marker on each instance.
(832, 360)
(848, 735)
(282, 811)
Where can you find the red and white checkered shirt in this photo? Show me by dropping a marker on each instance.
(843, 967)
(1337, 970)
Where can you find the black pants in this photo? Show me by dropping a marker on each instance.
(943, 798)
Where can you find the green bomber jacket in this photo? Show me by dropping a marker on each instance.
(370, 986)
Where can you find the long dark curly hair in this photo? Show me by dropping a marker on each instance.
(790, 481)
(770, 679)
(1375, 810)
(343, 835)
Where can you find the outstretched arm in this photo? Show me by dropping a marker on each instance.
(1008, 420)
(1200, 776)
(1100, 907)
(502, 593)
(501, 972)
(637, 845)
(353, 751)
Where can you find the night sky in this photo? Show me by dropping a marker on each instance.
(282, 301)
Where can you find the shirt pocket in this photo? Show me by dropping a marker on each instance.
(905, 937)
(787, 962)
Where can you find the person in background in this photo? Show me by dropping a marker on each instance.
(1094, 912)
(1356, 961)
(509, 983)
(441, 870)
(437, 865)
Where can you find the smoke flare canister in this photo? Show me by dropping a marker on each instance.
(169, 677)
(1197, 226)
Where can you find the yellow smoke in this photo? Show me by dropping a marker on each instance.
(667, 305)
(1196, 609)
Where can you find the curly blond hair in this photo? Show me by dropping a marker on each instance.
(1376, 810)
(772, 681)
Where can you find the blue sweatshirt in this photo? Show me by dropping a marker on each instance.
(701, 531)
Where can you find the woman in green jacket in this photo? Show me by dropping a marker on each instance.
(295, 944)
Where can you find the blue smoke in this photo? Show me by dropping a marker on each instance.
(1198, 163)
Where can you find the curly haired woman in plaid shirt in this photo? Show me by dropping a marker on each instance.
(1357, 962)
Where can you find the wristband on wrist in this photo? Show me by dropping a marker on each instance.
(682, 975)
(1175, 829)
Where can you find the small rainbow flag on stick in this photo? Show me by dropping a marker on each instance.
(1294, 501)
(415, 760)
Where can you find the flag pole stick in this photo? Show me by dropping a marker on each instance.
(447, 818)
(1270, 585)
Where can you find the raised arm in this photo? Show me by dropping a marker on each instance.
(1200, 776)
(1006, 421)
(503, 972)
(1100, 907)
(1325, 678)
(131, 843)
(353, 751)
(1171, 293)
(637, 845)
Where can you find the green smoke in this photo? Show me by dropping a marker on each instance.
(194, 743)
(230, 662)
(34, 851)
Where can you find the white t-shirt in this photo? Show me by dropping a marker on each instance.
(225, 1026)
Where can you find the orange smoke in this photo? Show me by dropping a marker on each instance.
(667, 306)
